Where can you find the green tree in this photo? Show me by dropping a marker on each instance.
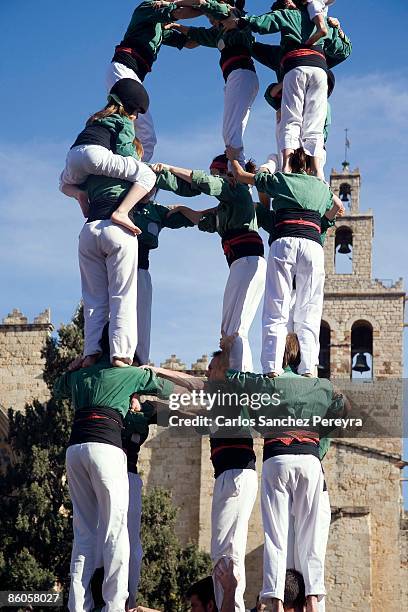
(36, 511)
(36, 525)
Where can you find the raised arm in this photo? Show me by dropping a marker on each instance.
(247, 178)
(337, 209)
(337, 47)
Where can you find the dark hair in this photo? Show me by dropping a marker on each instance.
(291, 355)
(294, 590)
(220, 160)
(300, 162)
(224, 356)
(204, 590)
(250, 166)
(104, 341)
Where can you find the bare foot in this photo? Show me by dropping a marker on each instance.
(120, 362)
(272, 375)
(90, 360)
(123, 219)
(308, 375)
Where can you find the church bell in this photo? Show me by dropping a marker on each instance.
(361, 364)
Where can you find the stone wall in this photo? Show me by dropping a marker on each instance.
(21, 363)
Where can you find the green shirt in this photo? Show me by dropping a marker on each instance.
(336, 48)
(218, 10)
(296, 27)
(139, 422)
(145, 30)
(124, 129)
(236, 209)
(151, 218)
(104, 385)
(298, 396)
(295, 191)
(324, 443)
(219, 38)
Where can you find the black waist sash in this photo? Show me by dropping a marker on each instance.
(235, 57)
(273, 448)
(297, 223)
(97, 424)
(143, 256)
(134, 58)
(232, 454)
(304, 56)
(241, 243)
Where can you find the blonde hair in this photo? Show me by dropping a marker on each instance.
(112, 108)
(139, 147)
(291, 356)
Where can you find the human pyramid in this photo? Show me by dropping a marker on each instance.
(107, 171)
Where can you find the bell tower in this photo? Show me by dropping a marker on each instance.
(362, 325)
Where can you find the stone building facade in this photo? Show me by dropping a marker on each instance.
(361, 336)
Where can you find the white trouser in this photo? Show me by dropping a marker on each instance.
(293, 485)
(318, 7)
(305, 259)
(233, 500)
(240, 92)
(98, 485)
(144, 315)
(281, 145)
(292, 560)
(144, 126)
(279, 140)
(243, 292)
(93, 159)
(136, 551)
(304, 109)
(108, 266)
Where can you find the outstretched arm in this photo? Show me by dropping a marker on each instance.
(183, 173)
(179, 378)
(192, 215)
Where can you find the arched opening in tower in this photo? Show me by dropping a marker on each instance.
(323, 369)
(343, 250)
(361, 350)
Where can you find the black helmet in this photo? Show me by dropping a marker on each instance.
(132, 95)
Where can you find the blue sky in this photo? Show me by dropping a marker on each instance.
(55, 79)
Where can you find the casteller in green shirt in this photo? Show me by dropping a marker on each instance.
(107, 386)
(295, 191)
